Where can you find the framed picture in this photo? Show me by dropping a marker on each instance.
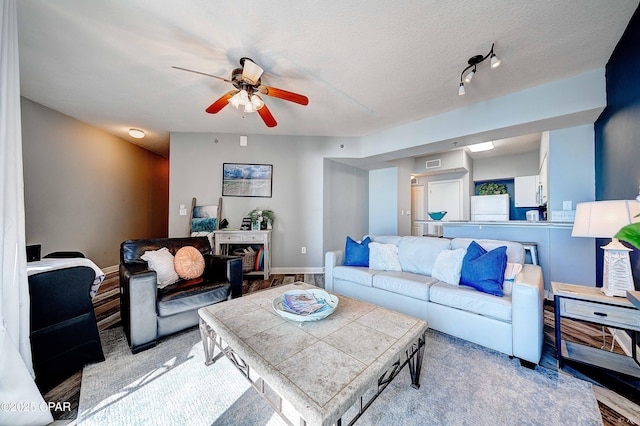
(247, 180)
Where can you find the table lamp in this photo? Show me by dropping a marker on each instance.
(603, 219)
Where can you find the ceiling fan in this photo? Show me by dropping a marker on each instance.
(248, 88)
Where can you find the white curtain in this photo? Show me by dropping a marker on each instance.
(22, 402)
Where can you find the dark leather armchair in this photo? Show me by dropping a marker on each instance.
(149, 313)
(64, 333)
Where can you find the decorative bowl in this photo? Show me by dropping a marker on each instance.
(330, 299)
(436, 215)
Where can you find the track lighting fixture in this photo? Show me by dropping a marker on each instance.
(465, 77)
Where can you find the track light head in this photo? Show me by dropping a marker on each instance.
(461, 89)
(495, 62)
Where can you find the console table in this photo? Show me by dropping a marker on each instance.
(590, 304)
(226, 239)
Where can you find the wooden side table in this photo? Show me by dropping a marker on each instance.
(590, 304)
(225, 239)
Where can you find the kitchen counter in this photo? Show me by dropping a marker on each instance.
(561, 256)
(547, 224)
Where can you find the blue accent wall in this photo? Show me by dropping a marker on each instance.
(617, 132)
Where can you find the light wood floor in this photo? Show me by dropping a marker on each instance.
(618, 407)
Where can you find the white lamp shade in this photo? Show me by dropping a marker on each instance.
(469, 76)
(495, 62)
(461, 90)
(603, 219)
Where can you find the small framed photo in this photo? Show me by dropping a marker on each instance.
(247, 180)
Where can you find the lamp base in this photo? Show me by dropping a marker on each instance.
(616, 278)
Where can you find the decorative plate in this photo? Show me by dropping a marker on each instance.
(330, 299)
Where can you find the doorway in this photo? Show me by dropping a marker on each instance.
(444, 195)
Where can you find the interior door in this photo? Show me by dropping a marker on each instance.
(445, 195)
(417, 209)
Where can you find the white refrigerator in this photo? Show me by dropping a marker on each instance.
(490, 208)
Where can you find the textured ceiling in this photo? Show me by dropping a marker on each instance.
(365, 65)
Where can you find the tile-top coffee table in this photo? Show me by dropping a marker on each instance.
(319, 370)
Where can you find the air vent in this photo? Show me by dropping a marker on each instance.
(434, 164)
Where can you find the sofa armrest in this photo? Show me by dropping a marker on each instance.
(226, 268)
(527, 300)
(331, 260)
(138, 292)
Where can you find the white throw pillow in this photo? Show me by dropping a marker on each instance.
(384, 257)
(448, 266)
(510, 273)
(161, 261)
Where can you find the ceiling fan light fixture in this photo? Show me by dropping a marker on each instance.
(248, 107)
(136, 133)
(257, 102)
(235, 100)
(244, 96)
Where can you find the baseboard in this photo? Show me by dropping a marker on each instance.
(297, 270)
(111, 269)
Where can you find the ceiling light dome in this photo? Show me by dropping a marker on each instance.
(136, 133)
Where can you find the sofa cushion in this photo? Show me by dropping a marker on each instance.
(356, 253)
(448, 266)
(384, 257)
(188, 298)
(161, 261)
(418, 254)
(515, 251)
(471, 300)
(356, 274)
(404, 283)
(386, 239)
(189, 263)
(484, 270)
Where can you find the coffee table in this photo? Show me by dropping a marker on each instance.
(318, 372)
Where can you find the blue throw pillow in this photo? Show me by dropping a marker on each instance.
(484, 270)
(355, 253)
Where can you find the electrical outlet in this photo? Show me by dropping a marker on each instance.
(303, 250)
(183, 212)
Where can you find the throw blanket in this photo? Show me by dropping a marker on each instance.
(52, 264)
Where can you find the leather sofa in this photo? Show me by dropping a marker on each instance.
(511, 324)
(149, 313)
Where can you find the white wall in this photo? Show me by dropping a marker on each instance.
(346, 204)
(383, 201)
(299, 191)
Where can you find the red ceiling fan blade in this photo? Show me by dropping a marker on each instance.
(221, 103)
(284, 94)
(267, 117)
(202, 73)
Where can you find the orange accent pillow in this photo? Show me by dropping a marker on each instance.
(189, 262)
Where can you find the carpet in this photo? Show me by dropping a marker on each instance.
(461, 384)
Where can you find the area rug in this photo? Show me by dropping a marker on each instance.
(461, 384)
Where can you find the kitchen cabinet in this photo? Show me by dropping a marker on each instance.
(528, 191)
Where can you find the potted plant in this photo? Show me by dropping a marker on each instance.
(262, 219)
(491, 188)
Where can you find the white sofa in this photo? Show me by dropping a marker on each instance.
(512, 324)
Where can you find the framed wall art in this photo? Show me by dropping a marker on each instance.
(247, 180)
